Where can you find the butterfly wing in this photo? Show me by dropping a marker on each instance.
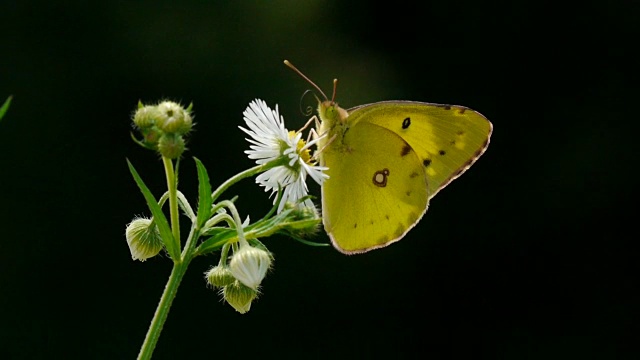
(377, 188)
(448, 139)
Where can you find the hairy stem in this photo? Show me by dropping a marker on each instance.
(172, 185)
(159, 318)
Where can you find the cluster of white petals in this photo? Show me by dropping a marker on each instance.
(270, 141)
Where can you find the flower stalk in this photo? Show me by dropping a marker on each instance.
(172, 186)
(283, 161)
(162, 311)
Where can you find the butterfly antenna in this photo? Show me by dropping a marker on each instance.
(335, 86)
(290, 65)
(308, 110)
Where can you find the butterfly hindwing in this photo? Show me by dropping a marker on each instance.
(377, 188)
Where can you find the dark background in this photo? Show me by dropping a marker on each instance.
(524, 257)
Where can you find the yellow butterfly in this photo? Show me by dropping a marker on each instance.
(386, 161)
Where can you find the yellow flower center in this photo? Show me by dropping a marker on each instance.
(304, 154)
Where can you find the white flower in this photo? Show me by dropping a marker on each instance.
(267, 129)
(272, 141)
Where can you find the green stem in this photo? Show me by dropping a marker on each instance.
(180, 265)
(172, 185)
(170, 290)
(236, 218)
(177, 273)
(190, 245)
(223, 254)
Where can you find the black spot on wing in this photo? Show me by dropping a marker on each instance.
(426, 162)
(380, 177)
(442, 152)
(406, 123)
(405, 150)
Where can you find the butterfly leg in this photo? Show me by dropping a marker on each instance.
(312, 135)
(315, 155)
(313, 118)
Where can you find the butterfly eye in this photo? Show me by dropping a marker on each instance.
(330, 110)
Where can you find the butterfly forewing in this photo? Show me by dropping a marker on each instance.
(448, 139)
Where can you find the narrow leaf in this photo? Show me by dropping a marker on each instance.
(158, 215)
(216, 241)
(204, 194)
(5, 107)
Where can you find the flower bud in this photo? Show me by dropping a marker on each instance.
(304, 210)
(250, 265)
(143, 238)
(146, 117)
(239, 296)
(302, 221)
(171, 145)
(175, 119)
(219, 276)
(151, 137)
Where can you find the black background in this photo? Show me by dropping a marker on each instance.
(524, 257)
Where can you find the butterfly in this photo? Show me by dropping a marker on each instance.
(386, 160)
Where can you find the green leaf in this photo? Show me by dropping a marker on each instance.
(308, 242)
(216, 241)
(5, 107)
(204, 194)
(158, 216)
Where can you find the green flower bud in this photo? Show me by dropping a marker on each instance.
(151, 137)
(301, 211)
(143, 238)
(250, 265)
(239, 296)
(303, 221)
(146, 117)
(175, 119)
(171, 146)
(219, 276)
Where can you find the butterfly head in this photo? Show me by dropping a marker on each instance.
(330, 112)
